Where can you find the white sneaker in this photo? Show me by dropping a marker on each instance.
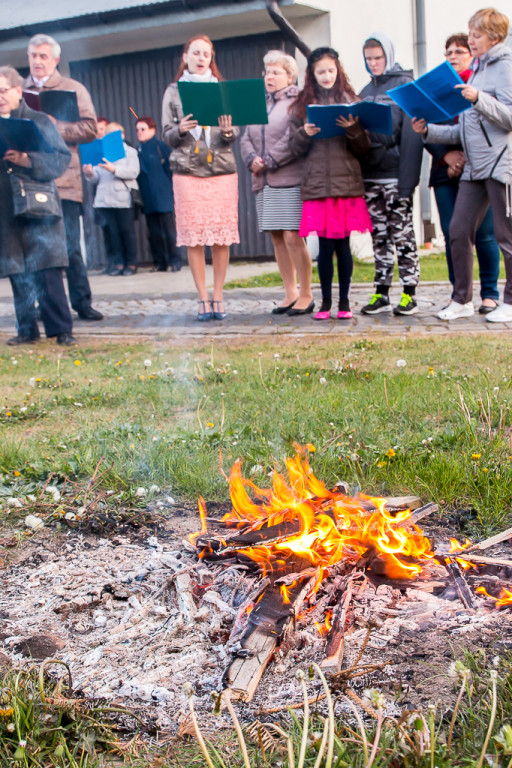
(454, 310)
(502, 314)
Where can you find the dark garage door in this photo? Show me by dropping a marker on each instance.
(138, 80)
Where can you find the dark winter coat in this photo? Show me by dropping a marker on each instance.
(32, 245)
(271, 142)
(155, 178)
(397, 156)
(331, 168)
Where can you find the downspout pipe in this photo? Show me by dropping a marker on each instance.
(420, 45)
(286, 28)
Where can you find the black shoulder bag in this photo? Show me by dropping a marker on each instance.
(34, 199)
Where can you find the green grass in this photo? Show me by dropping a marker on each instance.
(433, 268)
(436, 427)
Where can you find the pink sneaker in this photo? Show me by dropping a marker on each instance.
(345, 315)
(322, 315)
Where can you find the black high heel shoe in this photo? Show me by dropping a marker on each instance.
(217, 315)
(204, 315)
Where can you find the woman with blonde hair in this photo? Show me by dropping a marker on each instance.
(485, 132)
(276, 177)
(204, 178)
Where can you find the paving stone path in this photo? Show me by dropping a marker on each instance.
(165, 305)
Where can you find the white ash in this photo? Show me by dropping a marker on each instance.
(138, 620)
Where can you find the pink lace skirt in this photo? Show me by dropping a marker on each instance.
(335, 217)
(206, 209)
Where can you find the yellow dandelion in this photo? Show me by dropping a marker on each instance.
(485, 469)
(16, 473)
(311, 448)
(210, 424)
(8, 413)
(390, 453)
(141, 377)
(476, 456)
(78, 362)
(7, 712)
(381, 464)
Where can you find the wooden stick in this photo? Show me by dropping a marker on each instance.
(483, 559)
(497, 539)
(335, 644)
(266, 627)
(419, 514)
(462, 588)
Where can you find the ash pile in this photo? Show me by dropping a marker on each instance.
(290, 575)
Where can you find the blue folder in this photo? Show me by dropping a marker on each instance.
(22, 135)
(372, 116)
(110, 147)
(432, 96)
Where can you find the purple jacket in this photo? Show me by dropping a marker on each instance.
(271, 142)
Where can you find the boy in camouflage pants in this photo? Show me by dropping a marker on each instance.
(391, 172)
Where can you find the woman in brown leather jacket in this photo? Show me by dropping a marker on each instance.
(332, 184)
(204, 178)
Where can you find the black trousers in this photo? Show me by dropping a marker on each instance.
(120, 241)
(327, 248)
(47, 288)
(78, 282)
(162, 239)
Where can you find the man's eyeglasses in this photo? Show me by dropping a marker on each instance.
(457, 52)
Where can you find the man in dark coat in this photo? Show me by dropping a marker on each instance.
(391, 172)
(32, 251)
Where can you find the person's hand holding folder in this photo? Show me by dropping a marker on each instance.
(469, 92)
(311, 129)
(18, 158)
(346, 122)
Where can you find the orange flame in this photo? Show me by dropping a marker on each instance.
(324, 629)
(504, 599)
(328, 525)
(202, 516)
(456, 546)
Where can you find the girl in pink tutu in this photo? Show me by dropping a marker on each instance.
(332, 185)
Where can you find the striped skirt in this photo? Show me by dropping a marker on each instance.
(279, 208)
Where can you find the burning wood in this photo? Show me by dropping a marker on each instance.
(297, 534)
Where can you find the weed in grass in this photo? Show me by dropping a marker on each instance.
(476, 732)
(41, 725)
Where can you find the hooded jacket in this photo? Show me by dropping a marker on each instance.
(485, 130)
(395, 157)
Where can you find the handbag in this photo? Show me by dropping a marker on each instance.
(136, 197)
(34, 199)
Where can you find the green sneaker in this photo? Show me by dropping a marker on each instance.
(406, 306)
(378, 303)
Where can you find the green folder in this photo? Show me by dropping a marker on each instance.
(244, 100)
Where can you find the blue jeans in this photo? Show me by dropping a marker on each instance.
(487, 249)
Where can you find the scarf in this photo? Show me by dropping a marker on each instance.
(208, 77)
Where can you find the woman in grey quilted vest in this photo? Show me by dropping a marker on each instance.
(485, 132)
(276, 177)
